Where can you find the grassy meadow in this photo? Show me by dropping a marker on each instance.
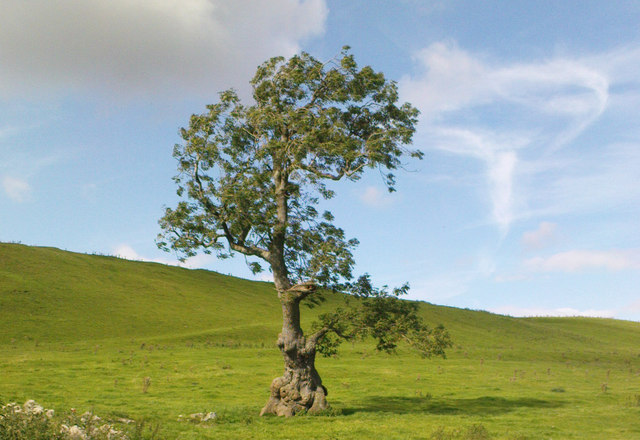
(146, 341)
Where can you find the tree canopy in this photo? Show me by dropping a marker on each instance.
(251, 179)
(253, 175)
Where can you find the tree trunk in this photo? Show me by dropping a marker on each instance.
(300, 387)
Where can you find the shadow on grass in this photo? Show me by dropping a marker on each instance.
(485, 405)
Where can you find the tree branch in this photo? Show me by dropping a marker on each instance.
(330, 326)
(322, 174)
(241, 247)
(312, 340)
(234, 244)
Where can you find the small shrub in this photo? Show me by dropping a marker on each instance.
(139, 431)
(33, 422)
(557, 390)
(27, 422)
(473, 432)
(441, 434)
(476, 432)
(146, 383)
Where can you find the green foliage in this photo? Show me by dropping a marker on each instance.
(382, 315)
(252, 176)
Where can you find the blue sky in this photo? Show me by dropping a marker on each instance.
(527, 201)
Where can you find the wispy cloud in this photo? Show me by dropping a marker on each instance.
(520, 119)
(546, 234)
(9, 130)
(449, 284)
(375, 197)
(440, 288)
(16, 189)
(577, 260)
(498, 151)
(89, 191)
(27, 165)
(588, 181)
(633, 307)
(455, 79)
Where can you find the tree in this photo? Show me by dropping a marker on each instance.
(250, 179)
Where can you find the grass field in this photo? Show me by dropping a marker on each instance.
(85, 331)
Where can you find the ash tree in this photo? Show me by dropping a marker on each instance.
(250, 178)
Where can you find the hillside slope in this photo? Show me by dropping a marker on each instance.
(150, 342)
(47, 294)
(50, 295)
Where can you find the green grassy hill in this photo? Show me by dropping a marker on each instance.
(50, 295)
(85, 330)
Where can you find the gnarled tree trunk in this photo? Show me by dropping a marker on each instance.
(300, 387)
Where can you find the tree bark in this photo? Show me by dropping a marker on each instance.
(300, 387)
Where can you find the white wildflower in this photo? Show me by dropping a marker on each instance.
(88, 416)
(73, 432)
(31, 407)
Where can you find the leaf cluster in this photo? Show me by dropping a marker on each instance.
(382, 315)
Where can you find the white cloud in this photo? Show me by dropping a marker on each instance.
(577, 260)
(17, 190)
(199, 261)
(541, 237)
(127, 252)
(453, 79)
(563, 311)
(196, 262)
(373, 196)
(136, 46)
